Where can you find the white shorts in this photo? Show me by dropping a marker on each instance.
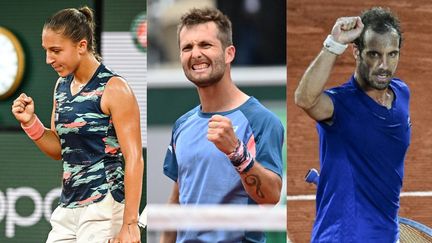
(95, 223)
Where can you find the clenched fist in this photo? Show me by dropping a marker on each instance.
(221, 133)
(23, 109)
(347, 29)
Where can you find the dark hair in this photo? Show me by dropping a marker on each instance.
(200, 16)
(75, 24)
(380, 20)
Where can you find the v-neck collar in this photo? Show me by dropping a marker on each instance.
(91, 79)
(371, 102)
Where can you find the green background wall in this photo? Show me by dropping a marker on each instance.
(25, 19)
(24, 169)
(165, 105)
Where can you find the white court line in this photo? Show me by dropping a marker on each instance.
(311, 197)
(301, 198)
(417, 194)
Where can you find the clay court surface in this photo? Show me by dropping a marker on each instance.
(309, 22)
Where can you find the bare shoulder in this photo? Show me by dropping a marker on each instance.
(117, 85)
(117, 94)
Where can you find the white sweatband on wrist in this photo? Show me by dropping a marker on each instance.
(334, 46)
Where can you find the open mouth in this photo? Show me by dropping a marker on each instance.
(383, 77)
(200, 66)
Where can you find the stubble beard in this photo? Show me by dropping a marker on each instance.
(368, 79)
(214, 77)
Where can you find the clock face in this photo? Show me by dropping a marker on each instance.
(11, 63)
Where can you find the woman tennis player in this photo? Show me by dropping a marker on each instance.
(94, 125)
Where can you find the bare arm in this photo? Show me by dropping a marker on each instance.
(170, 236)
(119, 101)
(23, 109)
(261, 184)
(309, 94)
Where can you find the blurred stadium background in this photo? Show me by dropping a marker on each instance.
(29, 181)
(308, 23)
(259, 69)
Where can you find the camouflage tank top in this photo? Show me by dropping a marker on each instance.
(92, 161)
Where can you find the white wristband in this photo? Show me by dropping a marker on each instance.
(334, 46)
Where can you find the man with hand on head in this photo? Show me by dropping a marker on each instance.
(227, 150)
(364, 130)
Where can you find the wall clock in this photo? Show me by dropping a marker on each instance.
(11, 63)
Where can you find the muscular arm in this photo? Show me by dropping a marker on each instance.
(170, 236)
(119, 101)
(50, 141)
(309, 94)
(262, 185)
(23, 109)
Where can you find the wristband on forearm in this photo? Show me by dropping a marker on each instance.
(35, 130)
(334, 46)
(240, 158)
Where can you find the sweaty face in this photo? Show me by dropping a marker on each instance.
(202, 55)
(61, 53)
(378, 61)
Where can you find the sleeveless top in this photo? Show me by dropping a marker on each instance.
(92, 160)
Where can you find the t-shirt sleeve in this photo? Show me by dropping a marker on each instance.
(332, 122)
(170, 167)
(269, 138)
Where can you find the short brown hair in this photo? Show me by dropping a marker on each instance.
(197, 16)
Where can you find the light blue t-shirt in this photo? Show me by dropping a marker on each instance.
(362, 166)
(206, 176)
